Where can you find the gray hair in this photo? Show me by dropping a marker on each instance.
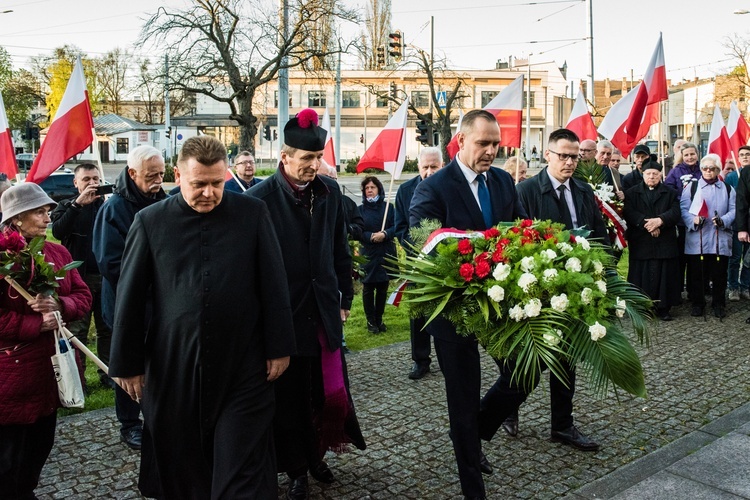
(138, 156)
(616, 152)
(604, 144)
(432, 150)
(712, 157)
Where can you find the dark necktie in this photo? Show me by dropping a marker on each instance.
(564, 209)
(484, 201)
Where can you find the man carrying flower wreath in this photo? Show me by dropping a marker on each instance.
(553, 195)
(466, 194)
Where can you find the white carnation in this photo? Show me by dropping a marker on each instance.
(597, 331)
(550, 275)
(496, 293)
(580, 240)
(559, 302)
(526, 280)
(552, 339)
(501, 272)
(533, 308)
(598, 267)
(586, 295)
(517, 313)
(573, 265)
(602, 286)
(620, 306)
(548, 255)
(527, 264)
(564, 247)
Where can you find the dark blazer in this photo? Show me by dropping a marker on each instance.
(447, 197)
(665, 205)
(403, 201)
(539, 200)
(742, 204)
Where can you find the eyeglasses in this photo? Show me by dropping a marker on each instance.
(744, 155)
(587, 150)
(247, 162)
(565, 157)
(709, 169)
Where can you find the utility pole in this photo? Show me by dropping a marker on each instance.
(337, 97)
(528, 112)
(591, 50)
(283, 114)
(167, 124)
(432, 56)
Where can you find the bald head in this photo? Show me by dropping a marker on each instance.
(587, 149)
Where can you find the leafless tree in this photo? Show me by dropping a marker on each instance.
(112, 75)
(228, 49)
(377, 25)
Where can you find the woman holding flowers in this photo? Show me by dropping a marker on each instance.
(28, 390)
(652, 212)
(377, 244)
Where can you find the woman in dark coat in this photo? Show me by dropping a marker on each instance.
(377, 244)
(652, 211)
(28, 391)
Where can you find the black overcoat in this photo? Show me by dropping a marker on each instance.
(220, 310)
(372, 214)
(638, 207)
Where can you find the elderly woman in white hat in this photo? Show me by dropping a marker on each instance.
(28, 390)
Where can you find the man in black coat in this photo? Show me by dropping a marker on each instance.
(203, 368)
(641, 156)
(429, 161)
(466, 194)
(73, 224)
(555, 195)
(307, 210)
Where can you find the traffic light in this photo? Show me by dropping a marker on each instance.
(380, 57)
(393, 89)
(168, 132)
(275, 135)
(424, 131)
(34, 132)
(396, 44)
(267, 132)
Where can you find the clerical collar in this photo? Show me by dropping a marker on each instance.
(295, 187)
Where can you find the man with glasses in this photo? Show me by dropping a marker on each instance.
(588, 150)
(555, 195)
(738, 277)
(244, 167)
(138, 186)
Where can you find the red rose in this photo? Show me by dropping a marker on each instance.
(11, 241)
(483, 268)
(527, 223)
(466, 271)
(572, 238)
(465, 247)
(491, 233)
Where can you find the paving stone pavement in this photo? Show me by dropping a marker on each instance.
(696, 372)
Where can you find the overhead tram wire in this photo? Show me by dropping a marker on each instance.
(520, 4)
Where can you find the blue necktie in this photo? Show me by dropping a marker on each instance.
(484, 201)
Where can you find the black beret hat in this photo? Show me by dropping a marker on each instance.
(303, 132)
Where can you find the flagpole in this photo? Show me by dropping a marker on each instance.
(234, 176)
(98, 155)
(387, 203)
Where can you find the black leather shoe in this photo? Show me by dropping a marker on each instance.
(382, 328)
(298, 489)
(484, 465)
(719, 312)
(419, 371)
(510, 425)
(666, 317)
(132, 437)
(322, 473)
(372, 328)
(696, 311)
(572, 437)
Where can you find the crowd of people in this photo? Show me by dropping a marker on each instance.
(162, 276)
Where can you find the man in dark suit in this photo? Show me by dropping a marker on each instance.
(466, 194)
(552, 194)
(429, 161)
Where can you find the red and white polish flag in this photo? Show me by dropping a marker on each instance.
(718, 139)
(388, 151)
(630, 119)
(737, 128)
(507, 106)
(580, 120)
(329, 153)
(71, 130)
(452, 147)
(8, 164)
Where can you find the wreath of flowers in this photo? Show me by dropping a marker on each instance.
(536, 293)
(24, 264)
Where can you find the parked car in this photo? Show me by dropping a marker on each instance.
(24, 161)
(59, 186)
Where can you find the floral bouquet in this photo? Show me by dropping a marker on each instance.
(609, 204)
(536, 293)
(23, 265)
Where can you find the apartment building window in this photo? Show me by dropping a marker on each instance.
(420, 98)
(316, 98)
(382, 101)
(276, 99)
(350, 99)
(487, 96)
(122, 145)
(530, 96)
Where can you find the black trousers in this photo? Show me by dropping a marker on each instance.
(80, 328)
(505, 396)
(711, 270)
(420, 341)
(374, 296)
(128, 411)
(23, 451)
(459, 361)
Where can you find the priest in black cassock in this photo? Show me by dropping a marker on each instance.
(202, 368)
(314, 410)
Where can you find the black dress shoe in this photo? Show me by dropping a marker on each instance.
(484, 465)
(510, 426)
(322, 473)
(298, 489)
(696, 311)
(419, 371)
(132, 437)
(719, 312)
(372, 328)
(382, 327)
(572, 437)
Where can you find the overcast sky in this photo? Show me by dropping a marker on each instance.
(473, 34)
